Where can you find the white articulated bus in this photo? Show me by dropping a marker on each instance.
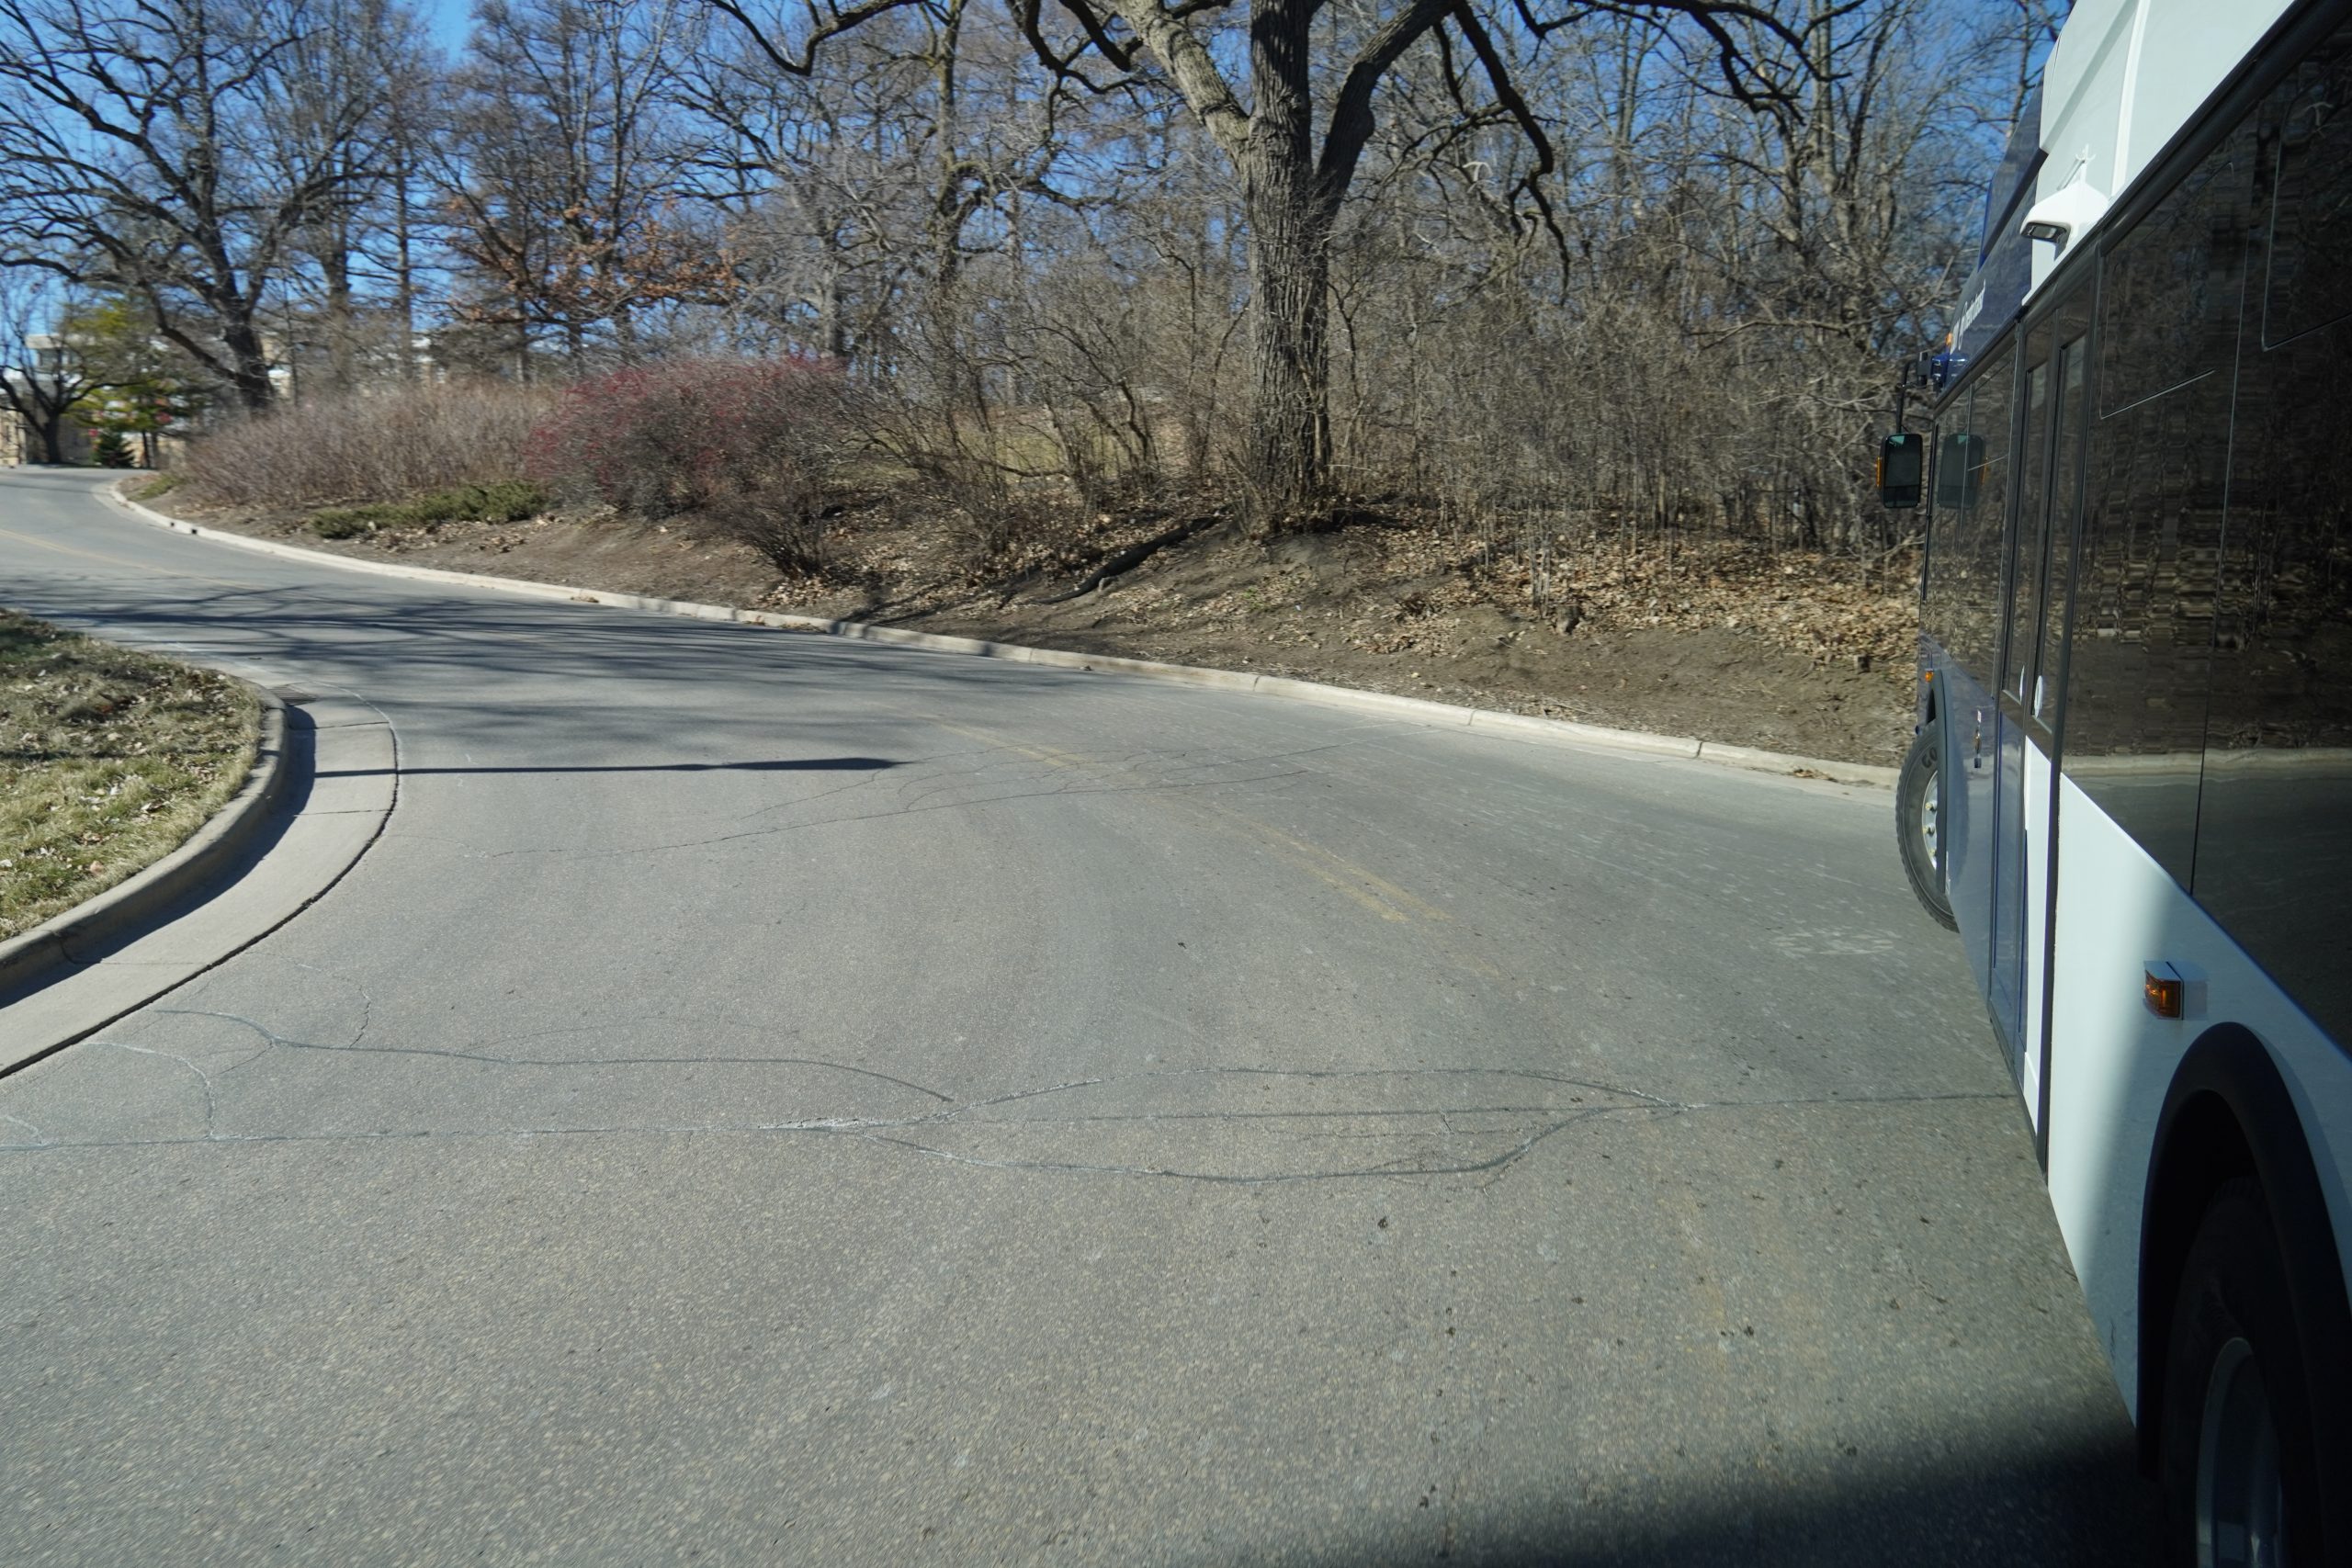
(2131, 790)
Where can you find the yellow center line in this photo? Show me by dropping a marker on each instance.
(1388, 890)
(1375, 894)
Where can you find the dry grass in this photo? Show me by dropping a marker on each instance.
(108, 761)
(386, 445)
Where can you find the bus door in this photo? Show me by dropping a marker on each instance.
(1966, 612)
(2021, 577)
(2025, 700)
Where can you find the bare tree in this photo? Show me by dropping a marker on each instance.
(44, 376)
(135, 156)
(825, 182)
(560, 176)
(1532, 263)
(354, 262)
(1293, 181)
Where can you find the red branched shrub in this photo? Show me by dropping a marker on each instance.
(672, 437)
(748, 444)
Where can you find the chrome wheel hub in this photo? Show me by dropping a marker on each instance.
(2241, 1499)
(1928, 804)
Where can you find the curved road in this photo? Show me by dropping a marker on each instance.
(769, 1098)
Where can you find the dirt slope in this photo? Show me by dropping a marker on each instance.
(1718, 639)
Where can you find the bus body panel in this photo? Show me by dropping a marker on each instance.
(2004, 270)
(2116, 1059)
(2004, 973)
(1995, 876)
(2034, 824)
(2124, 78)
(2186, 49)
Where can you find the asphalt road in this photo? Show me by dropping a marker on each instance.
(768, 1098)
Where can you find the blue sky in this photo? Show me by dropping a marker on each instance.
(447, 19)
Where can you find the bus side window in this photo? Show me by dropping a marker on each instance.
(1963, 607)
(2170, 290)
(2018, 643)
(1947, 524)
(2306, 136)
(2274, 844)
(1958, 457)
(2072, 325)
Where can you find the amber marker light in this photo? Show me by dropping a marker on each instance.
(2162, 990)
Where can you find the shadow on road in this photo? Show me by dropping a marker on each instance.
(2040, 1501)
(807, 764)
(476, 657)
(1954, 1483)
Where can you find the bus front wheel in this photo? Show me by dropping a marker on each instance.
(1918, 823)
(2239, 1466)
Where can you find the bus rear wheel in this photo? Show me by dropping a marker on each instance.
(2239, 1464)
(1918, 822)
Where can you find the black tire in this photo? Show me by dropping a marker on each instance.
(1919, 784)
(2237, 1310)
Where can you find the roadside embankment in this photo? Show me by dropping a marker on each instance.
(1787, 653)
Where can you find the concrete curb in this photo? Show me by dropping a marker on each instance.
(300, 842)
(1523, 727)
(30, 960)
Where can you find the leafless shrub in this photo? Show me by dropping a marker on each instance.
(656, 440)
(383, 444)
(993, 514)
(784, 522)
(755, 447)
(988, 467)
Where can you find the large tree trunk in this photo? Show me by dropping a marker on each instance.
(342, 317)
(404, 266)
(1290, 219)
(249, 364)
(1290, 348)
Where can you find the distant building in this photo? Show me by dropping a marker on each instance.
(20, 443)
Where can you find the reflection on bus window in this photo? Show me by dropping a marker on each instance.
(1957, 462)
(2169, 296)
(2065, 482)
(2025, 559)
(2305, 141)
(2274, 849)
(1962, 610)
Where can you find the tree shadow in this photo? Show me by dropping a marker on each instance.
(508, 674)
(782, 765)
(2033, 1500)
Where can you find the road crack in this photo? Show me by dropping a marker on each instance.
(1217, 1124)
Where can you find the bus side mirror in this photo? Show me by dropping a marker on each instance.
(1902, 466)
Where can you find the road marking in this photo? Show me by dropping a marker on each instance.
(1403, 901)
(1375, 893)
